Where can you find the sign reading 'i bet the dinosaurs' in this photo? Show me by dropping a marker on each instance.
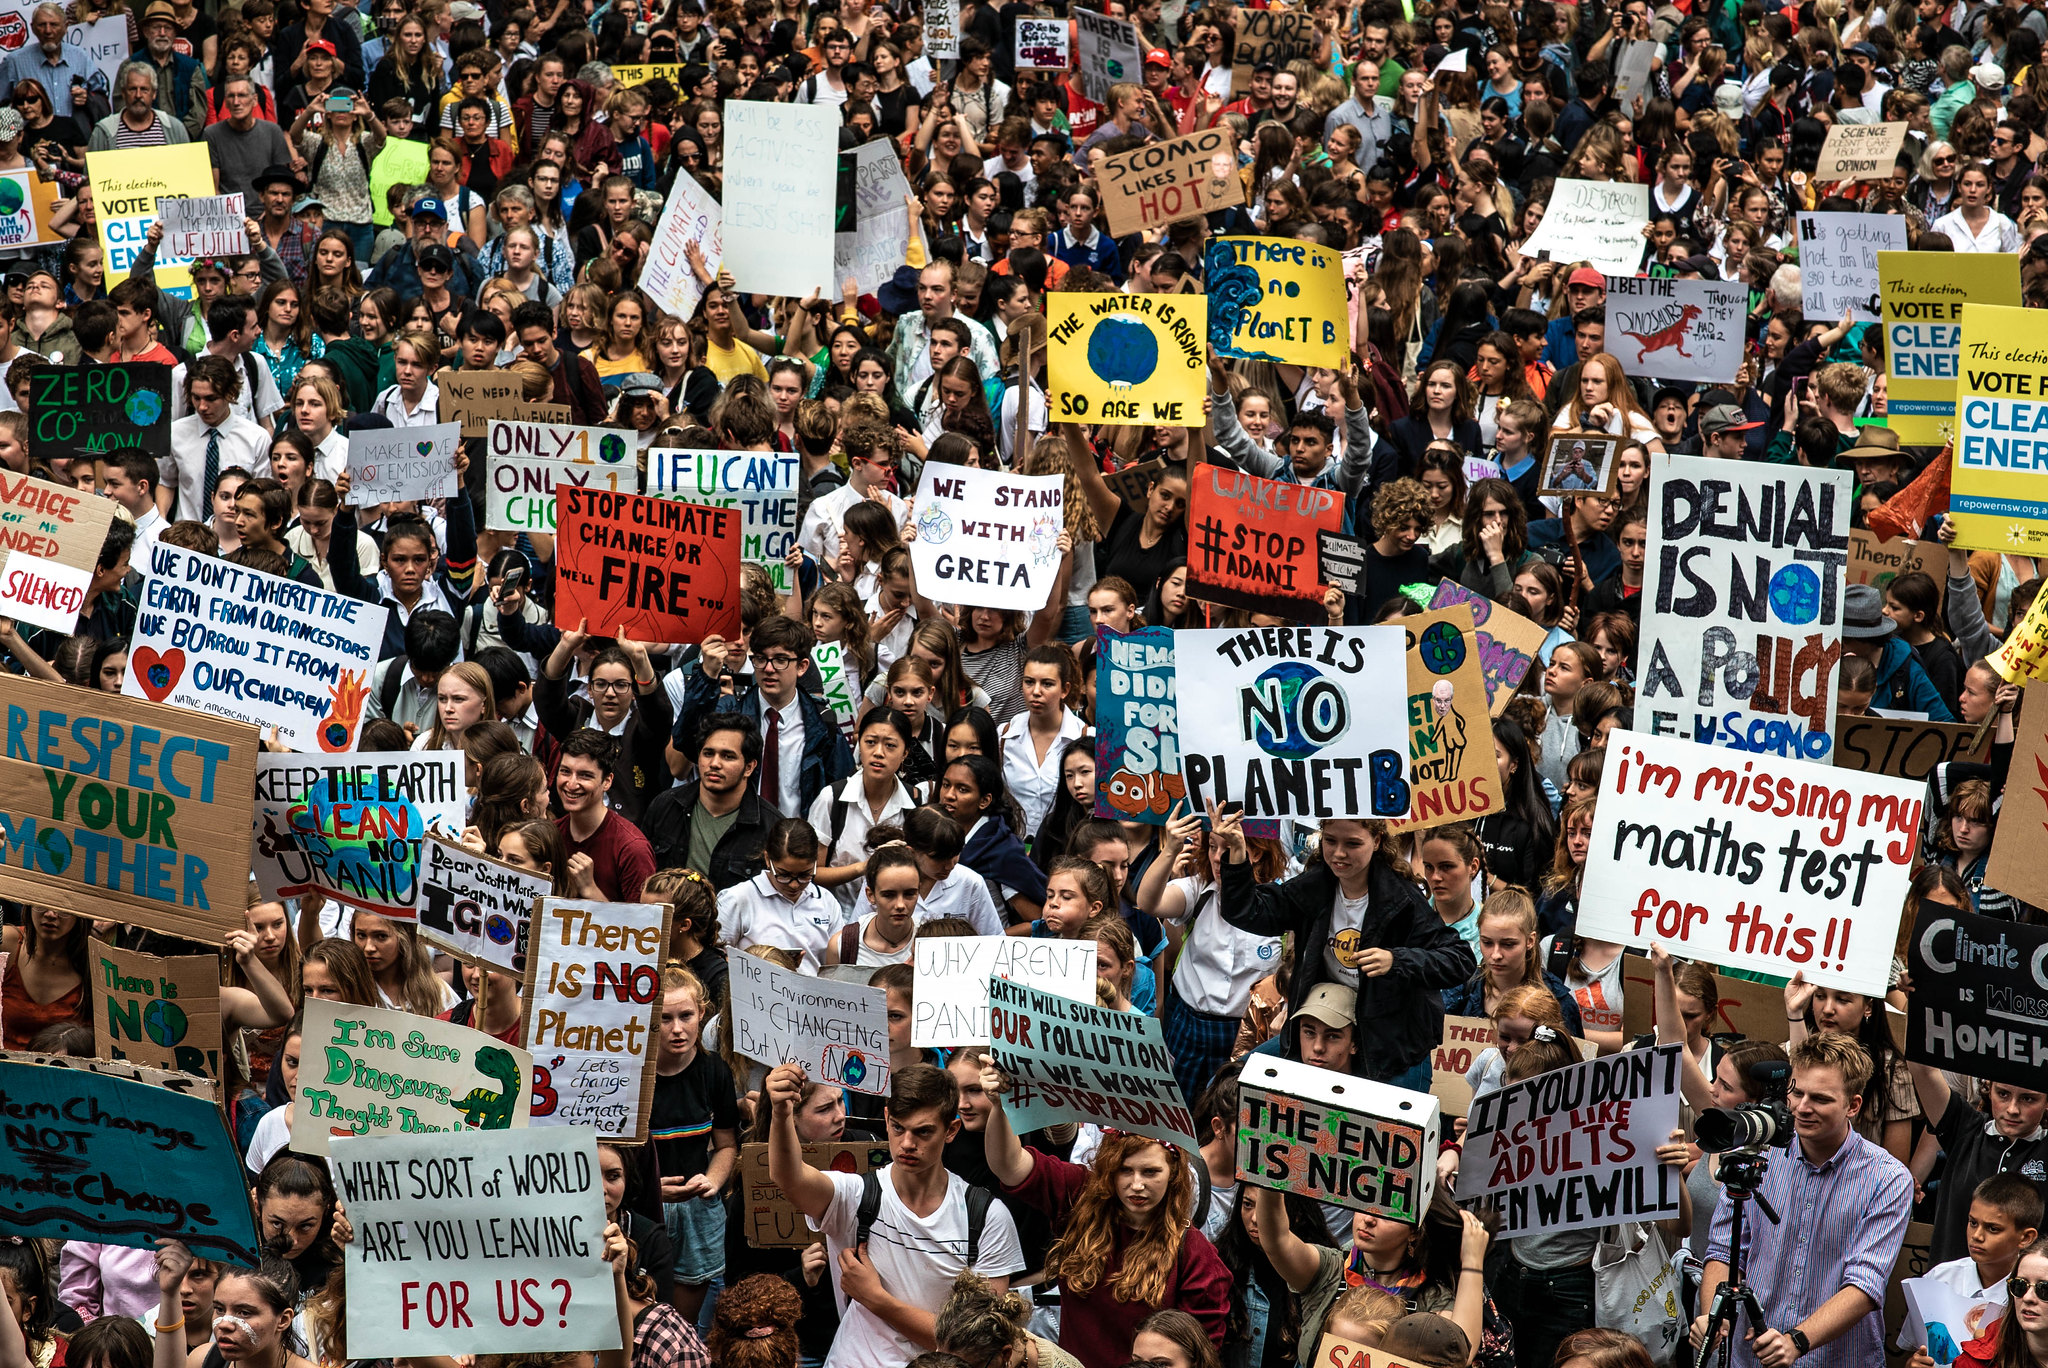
(371, 1071)
(1677, 329)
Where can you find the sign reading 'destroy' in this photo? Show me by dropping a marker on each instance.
(1979, 1003)
(527, 461)
(950, 1000)
(478, 908)
(839, 1032)
(374, 1071)
(987, 538)
(1595, 221)
(1070, 1060)
(1750, 861)
(1337, 1138)
(351, 827)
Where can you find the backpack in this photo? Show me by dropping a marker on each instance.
(978, 1200)
(394, 680)
(320, 160)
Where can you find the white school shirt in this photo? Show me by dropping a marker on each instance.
(851, 846)
(962, 893)
(789, 756)
(819, 536)
(1218, 963)
(756, 913)
(242, 443)
(391, 404)
(1035, 783)
(1960, 1277)
(260, 407)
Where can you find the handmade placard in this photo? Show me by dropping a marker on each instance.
(1337, 1138)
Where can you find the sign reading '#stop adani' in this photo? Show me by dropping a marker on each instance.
(1998, 482)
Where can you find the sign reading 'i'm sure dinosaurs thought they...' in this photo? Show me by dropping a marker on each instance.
(371, 1071)
(1677, 329)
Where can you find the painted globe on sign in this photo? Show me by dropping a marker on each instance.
(611, 449)
(1795, 595)
(144, 407)
(11, 198)
(1123, 352)
(164, 1022)
(1293, 677)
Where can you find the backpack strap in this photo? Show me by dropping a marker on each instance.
(840, 807)
(849, 943)
(978, 1200)
(870, 1207)
(394, 679)
(1563, 946)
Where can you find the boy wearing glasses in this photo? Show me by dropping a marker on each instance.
(803, 749)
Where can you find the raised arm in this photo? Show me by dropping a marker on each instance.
(1692, 1084)
(1104, 501)
(1294, 1258)
(809, 1190)
(172, 1261)
(264, 1003)
(1007, 1158)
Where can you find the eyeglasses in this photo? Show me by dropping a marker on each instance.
(610, 685)
(2017, 1287)
(774, 662)
(799, 880)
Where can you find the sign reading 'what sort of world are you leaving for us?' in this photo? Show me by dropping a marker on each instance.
(1998, 481)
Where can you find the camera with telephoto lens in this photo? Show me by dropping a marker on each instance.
(1752, 1127)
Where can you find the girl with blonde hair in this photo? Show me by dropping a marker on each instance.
(463, 699)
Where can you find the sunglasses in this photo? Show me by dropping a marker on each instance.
(2017, 1287)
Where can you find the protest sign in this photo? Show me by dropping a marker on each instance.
(1133, 484)
(52, 523)
(949, 1004)
(1452, 776)
(883, 228)
(1337, 1138)
(942, 28)
(127, 183)
(162, 1012)
(769, 1218)
(1576, 1148)
(375, 1071)
(1921, 297)
(1908, 747)
(1304, 722)
(1742, 604)
(106, 43)
(2023, 656)
(1507, 642)
(760, 484)
(351, 827)
(1860, 152)
(1334, 1351)
(2015, 865)
(203, 226)
(655, 569)
(1941, 1320)
(1340, 562)
(1579, 463)
(93, 410)
(1744, 1007)
(127, 809)
(1979, 1003)
(1750, 861)
(1070, 1060)
(1041, 44)
(688, 215)
(235, 642)
(42, 592)
(528, 460)
(839, 1032)
(1880, 562)
(781, 174)
(592, 1013)
(1838, 261)
(1998, 479)
(477, 908)
(1677, 329)
(139, 1155)
(1599, 222)
(987, 538)
(1465, 1039)
(1256, 543)
(1106, 51)
(1276, 299)
(1182, 177)
(640, 73)
(1137, 733)
(30, 220)
(402, 162)
(1270, 37)
(402, 465)
(493, 1241)
(474, 398)
(1632, 62)
(1128, 359)
(835, 689)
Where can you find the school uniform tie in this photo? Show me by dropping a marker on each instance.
(771, 760)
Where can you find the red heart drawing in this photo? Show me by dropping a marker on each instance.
(158, 674)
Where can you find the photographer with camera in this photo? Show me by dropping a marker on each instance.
(1818, 1278)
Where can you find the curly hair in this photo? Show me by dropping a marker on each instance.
(1400, 504)
(761, 1302)
(1087, 1242)
(978, 1323)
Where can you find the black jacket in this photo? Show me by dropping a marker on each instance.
(1404, 1005)
(737, 857)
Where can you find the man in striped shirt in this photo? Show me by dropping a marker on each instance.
(1820, 1272)
(138, 123)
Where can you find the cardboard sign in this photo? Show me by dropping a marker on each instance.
(1305, 722)
(658, 569)
(477, 908)
(127, 184)
(1130, 360)
(781, 174)
(1880, 562)
(760, 484)
(402, 465)
(1998, 479)
(1334, 1351)
(1256, 543)
(1579, 463)
(474, 398)
(528, 460)
(1340, 562)
(1978, 989)
(52, 522)
(1677, 329)
(1599, 222)
(592, 1013)
(1276, 36)
(883, 229)
(161, 1012)
(835, 684)
(1042, 45)
(1744, 1007)
(1337, 1138)
(1576, 1148)
(203, 226)
(1070, 1060)
(2016, 866)
(1133, 484)
(1276, 299)
(771, 1220)
(1905, 746)
(1507, 642)
(1750, 861)
(135, 1126)
(1465, 1039)
(949, 1003)
(236, 643)
(1106, 51)
(491, 1240)
(90, 411)
(351, 827)
(374, 1071)
(942, 28)
(42, 592)
(688, 215)
(839, 1032)
(1137, 730)
(122, 808)
(1174, 178)
(1860, 152)
(1742, 604)
(1921, 297)
(1838, 261)
(1452, 776)
(987, 538)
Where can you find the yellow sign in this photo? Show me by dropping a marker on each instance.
(630, 76)
(1998, 476)
(125, 188)
(1922, 296)
(1277, 299)
(1131, 360)
(2024, 656)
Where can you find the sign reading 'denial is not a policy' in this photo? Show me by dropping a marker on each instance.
(1128, 359)
(351, 827)
(1998, 481)
(375, 1071)
(987, 538)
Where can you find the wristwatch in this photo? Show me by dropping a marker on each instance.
(1799, 1341)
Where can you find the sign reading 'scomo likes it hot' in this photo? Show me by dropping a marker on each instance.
(1998, 482)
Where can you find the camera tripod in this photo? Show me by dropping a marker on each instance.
(1741, 1174)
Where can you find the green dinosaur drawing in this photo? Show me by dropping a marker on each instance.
(487, 1110)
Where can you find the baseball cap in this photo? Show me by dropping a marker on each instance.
(312, 44)
(1158, 57)
(1587, 276)
(1332, 1004)
(305, 202)
(1725, 418)
(1866, 50)
(429, 207)
(1427, 1340)
(435, 254)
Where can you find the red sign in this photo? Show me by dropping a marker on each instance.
(1252, 542)
(659, 569)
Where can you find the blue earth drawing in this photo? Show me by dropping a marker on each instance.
(1293, 677)
(145, 407)
(1123, 352)
(611, 450)
(500, 929)
(164, 1022)
(10, 198)
(1795, 595)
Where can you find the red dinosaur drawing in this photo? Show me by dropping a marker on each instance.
(1672, 335)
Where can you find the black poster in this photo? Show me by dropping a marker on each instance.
(93, 410)
(1340, 561)
(1979, 1003)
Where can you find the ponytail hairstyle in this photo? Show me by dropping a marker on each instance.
(979, 1324)
(1511, 904)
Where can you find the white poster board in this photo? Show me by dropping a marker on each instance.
(593, 1012)
(1042, 44)
(402, 464)
(1106, 51)
(949, 1003)
(761, 484)
(942, 28)
(478, 908)
(1838, 262)
(528, 460)
(839, 1032)
(781, 170)
(44, 593)
(883, 226)
(350, 826)
(689, 215)
(987, 538)
(1632, 62)
(1677, 329)
(204, 226)
(383, 1073)
(1600, 222)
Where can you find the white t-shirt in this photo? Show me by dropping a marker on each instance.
(917, 1258)
(962, 893)
(1340, 955)
(756, 913)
